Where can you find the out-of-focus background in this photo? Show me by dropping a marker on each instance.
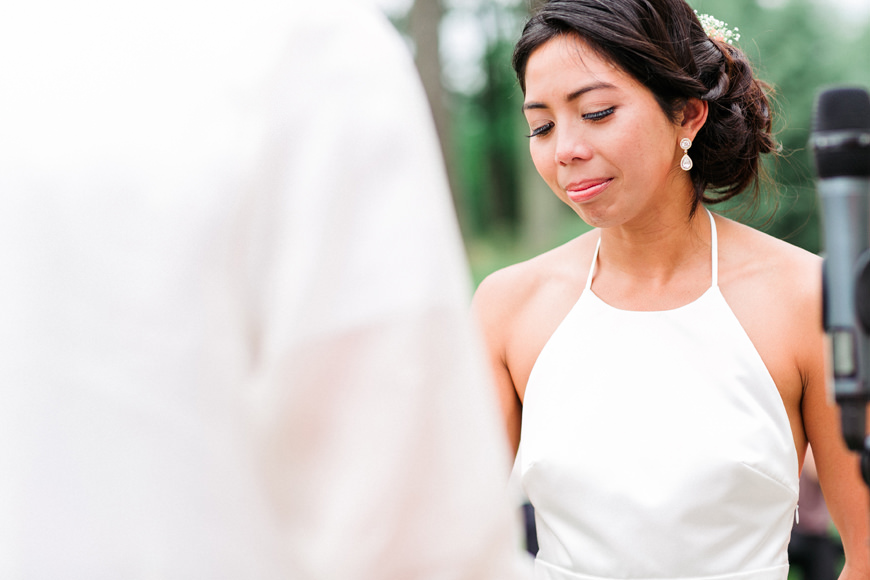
(507, 214)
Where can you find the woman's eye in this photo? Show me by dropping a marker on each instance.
(541, 131)
(598, 115)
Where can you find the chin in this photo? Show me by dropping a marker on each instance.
(596, 217)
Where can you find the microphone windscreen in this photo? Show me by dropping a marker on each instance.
(841, 132)
(842, 109)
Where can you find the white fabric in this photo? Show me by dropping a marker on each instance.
(656, 445)
(233, 303)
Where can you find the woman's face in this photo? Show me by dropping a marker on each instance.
(599, 138)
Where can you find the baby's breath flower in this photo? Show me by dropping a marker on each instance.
(718, 30)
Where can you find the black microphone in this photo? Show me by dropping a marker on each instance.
(841, 145)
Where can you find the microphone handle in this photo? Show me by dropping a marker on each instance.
(845, 212)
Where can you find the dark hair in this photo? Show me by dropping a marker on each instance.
(662, 44)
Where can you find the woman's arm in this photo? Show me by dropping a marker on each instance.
(491, 306)
(846, 494)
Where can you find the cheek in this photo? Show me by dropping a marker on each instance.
(543, 160)
(655, 162)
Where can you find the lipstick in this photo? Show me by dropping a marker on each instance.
(585, 190)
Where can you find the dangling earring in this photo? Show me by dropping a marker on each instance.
(686, 161)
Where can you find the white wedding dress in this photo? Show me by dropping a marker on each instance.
(655, 445)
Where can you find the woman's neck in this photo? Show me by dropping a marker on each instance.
(658, 247)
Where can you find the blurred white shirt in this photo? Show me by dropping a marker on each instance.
(233, 303)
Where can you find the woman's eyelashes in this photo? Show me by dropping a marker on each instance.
(595, 116)
(540, 131)
(598, 115)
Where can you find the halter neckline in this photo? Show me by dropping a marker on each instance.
(714, 250)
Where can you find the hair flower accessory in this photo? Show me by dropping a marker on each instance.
(718, 30)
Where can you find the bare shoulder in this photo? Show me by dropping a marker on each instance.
(520, 306)
(520, 285)
(771, 268)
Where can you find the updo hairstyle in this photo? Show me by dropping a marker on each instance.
(663, 46)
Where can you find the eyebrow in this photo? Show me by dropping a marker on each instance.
(573, 96)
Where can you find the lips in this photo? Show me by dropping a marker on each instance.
(587, 189)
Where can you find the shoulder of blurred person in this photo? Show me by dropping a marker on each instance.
(234, 306)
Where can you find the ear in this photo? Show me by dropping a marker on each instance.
(693, 118)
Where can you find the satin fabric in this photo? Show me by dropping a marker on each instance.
(656, 445)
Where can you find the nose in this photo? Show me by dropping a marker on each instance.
(571, 145)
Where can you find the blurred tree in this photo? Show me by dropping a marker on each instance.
(509, 204)
(423, 25)
(485, 129)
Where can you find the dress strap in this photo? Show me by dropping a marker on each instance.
(592, 267)
(714, 249)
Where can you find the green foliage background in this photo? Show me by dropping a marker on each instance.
(506, 212)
